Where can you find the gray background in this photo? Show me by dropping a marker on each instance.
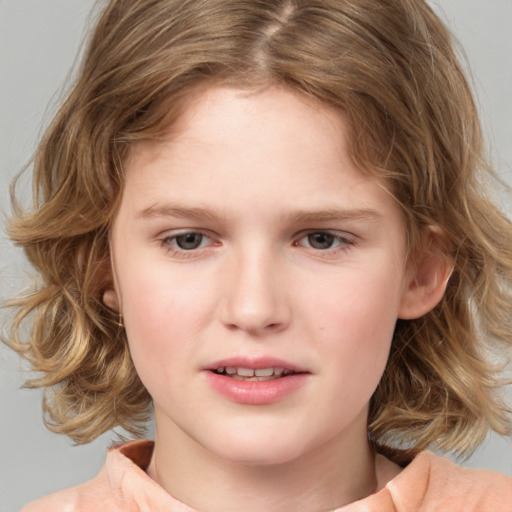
(38, 45)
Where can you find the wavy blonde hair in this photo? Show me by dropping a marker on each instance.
(390, 65)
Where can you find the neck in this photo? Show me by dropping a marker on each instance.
(339, 472)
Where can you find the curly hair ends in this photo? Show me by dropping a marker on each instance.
(389, 65)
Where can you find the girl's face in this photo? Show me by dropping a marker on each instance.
(260, 276)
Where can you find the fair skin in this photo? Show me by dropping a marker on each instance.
(247, 239)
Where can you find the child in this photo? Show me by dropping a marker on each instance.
(267, 221)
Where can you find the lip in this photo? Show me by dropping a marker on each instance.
(256, 392)
(257, 363)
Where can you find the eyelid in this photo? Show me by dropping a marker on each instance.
(346, 240)
(166, 240)
(174, 233)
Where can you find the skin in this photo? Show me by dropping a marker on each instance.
(255, 175)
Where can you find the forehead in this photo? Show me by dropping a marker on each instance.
(265, 145)
(216, 115)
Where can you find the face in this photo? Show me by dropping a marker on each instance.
(260, 276)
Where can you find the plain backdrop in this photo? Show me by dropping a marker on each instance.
(39, 40)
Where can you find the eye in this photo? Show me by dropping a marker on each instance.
(186, 242)
(321, 240)
(189, 241)
(324, 240)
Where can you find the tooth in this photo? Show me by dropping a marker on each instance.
(220, 369)
(278, 371)
(264, 372)
(245, 372)
(230, 370)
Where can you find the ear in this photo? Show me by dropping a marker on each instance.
(428, 275)
(107, 278)
(111, 299)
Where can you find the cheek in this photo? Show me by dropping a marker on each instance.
(354, 327)
(162, 320)
(159, 298)
(360, 304)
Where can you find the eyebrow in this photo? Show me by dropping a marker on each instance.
(292, 216)
(333, 214)
(185, 212)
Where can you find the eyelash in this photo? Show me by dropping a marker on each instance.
(169, 243)
(343, 242)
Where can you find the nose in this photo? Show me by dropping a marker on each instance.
(255, 298)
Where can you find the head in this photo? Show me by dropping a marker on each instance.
(389, 70)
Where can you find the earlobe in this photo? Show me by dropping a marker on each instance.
(107, 276)
(111, 299)
(429, 275)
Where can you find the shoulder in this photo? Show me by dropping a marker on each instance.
(90, 496)
(107, 490)
(478, 488)
(94, 495)
(432, 482)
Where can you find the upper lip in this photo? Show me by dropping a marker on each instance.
(256, 363)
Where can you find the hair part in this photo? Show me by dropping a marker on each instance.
(390, 66)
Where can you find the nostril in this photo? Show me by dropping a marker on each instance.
(253, 311)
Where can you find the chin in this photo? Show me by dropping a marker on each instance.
(259, 450)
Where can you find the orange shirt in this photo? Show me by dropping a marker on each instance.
(429, 483)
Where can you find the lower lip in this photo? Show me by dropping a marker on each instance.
(256, 392)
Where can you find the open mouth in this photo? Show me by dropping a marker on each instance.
(256, 380)
(253, 374)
